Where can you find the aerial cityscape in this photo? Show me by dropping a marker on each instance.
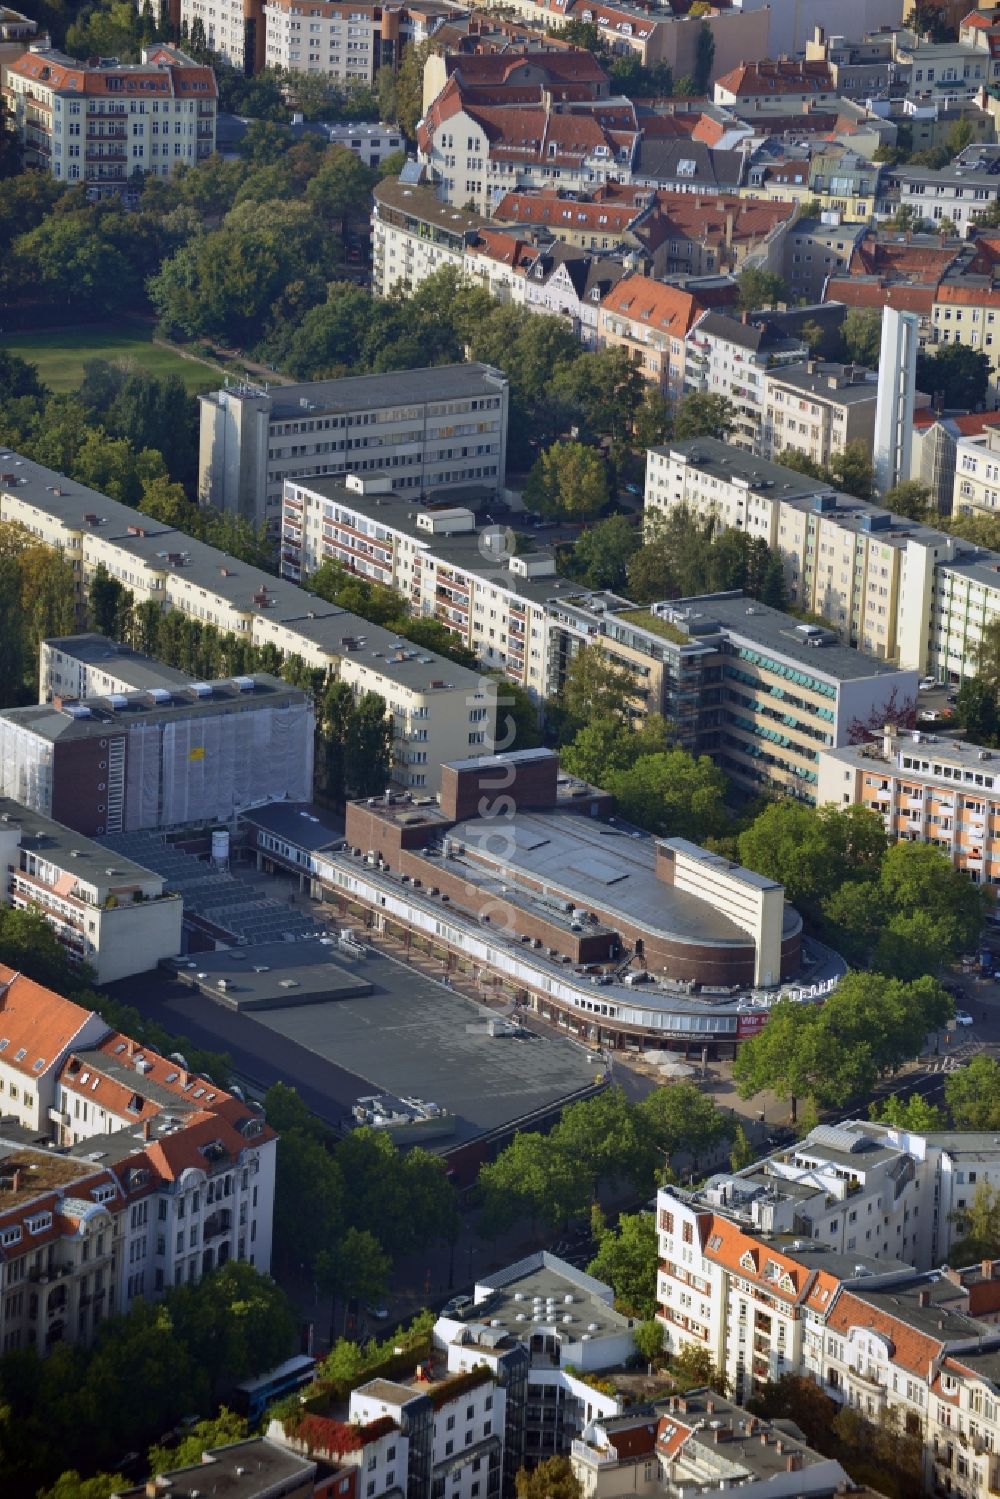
(499, 749)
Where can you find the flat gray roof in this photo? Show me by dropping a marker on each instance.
(778, 632)
(938, 1319)
(410, 1036)
(599, 865)
(71, 851)
(272, 976)
(139, 671)
(241, 1470)
(443, 382)
(226, 696)
(710, 455)
(301, 823)
(517, 1298)
(827, 382)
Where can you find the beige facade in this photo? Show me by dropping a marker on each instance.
(818, 409)
(977, 474)
(175, 571)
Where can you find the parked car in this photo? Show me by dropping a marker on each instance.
(929, 715)
(456, 1304)
(962, 1017)
(926, 683)
(380, 1313)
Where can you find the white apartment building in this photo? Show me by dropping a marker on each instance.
(117, 919)
(414, 234)
(92, 665)
(728, 357)
(977, 474)
(444, 563)
(37, 1030)
(428, 696)
(348, 42)
(434, 429)
(103, 122)
(899, 590)
(233, 28)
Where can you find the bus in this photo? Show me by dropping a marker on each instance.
(253, 1396)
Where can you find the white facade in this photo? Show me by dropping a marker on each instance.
(253, 439)
(347, 42)
(102, 124)
(897, 379)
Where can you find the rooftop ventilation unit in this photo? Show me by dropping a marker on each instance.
(245, 684)
(117, 701)
(160, 695)
(201, 689)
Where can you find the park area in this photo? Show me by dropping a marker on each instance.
(59, 354)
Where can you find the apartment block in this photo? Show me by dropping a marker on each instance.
(736, 357)
(927, 789)
(92, 665)
(959, 193)
(160, 759)
(818, 409)
(934, 445)
(889, 586)
(255, 1468)
(446, 563)
(346, 42)
(103, 123)
(235, 29)
(421, 690)
(414, 234)
(121, 1173)
(651, 321)
(700, 1443)
(117, 918)
(410, 424)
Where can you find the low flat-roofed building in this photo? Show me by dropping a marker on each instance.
(253, 1469)
(106, 910)
(92, 665)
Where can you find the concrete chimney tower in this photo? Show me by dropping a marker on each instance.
(897, 379)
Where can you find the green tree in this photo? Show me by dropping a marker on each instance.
(568, 481)
(595, 689)
(759, 288)
(673, 794)
(912, 1113)
(680, 1119)
(626, 1260)
(71, 1485)
(813, 851)
(973, 1095)
(235, 1323)
(956, 373)
(796, 1398)
(976, 709)
(341, 188)
(704, 57)
(979, 1226)
(601, 555)
(104, 601)
(607, 745)
(862, 335)
(703, 414)
(529, 1179)
(551, 1479)
(742, 1153)
(909, 497)
(358, 1267)
(219, 1431)
(409, 91)
(605, 1140)
(649, 1340)
(774, 591)
(853, 472)
(920, 879)
(694, 1368)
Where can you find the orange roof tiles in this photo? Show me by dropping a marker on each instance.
(906, 262)
(633, 1441)
(903, 298)
(35, 1024)
(953, 294)
(768, 78)
(163, 74)
(912, 1350)
(666, 308)
(743, 1255)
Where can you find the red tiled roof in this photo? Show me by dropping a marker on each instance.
(633, 1441)
(554, 209)
(768, 78)
(913, 1350)
(504, 248)
(905, 262)
(665, 308)
(35, 1024)
(954, 294)
(903, 298)
(572, 66)
(162, 75)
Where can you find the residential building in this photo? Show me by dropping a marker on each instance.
(790, 32)
(977, 473)
(959, 194)
(934, 447)
(776, 84)
(406, 424)
(153, 562)
(160, 759)
(157, 1175)
(370, 143)
(877, 578)
(731, 357)
(255, 1468)
(414, 234)
(567, 73)
(814, 252)
(818, 409)
(118, 919)
(18, 32)
(570, 284)
(92, 665)
(651, 321)
(444, 563)
(966, 311)
(341, 41)
(566, 1323)
(949, 69)
(700, 1443)
(927, 789)
(105, 123)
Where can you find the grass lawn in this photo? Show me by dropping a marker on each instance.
(60, 354)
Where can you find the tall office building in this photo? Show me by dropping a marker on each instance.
(897, 379)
